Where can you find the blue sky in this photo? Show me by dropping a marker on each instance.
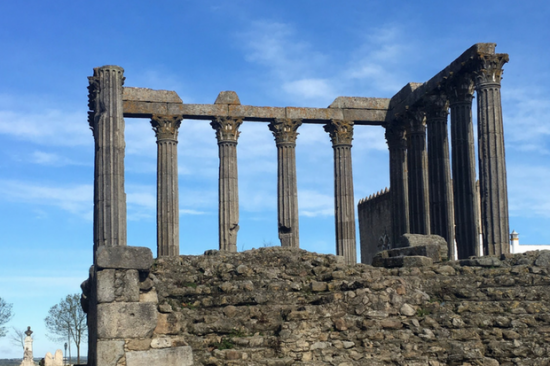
(283, 53)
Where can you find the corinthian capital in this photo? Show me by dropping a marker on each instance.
(340, 131)
(489, 68)
(460, 89)
(436, 106)
(284, 130)
(166, 127)
(396, 137)
(227, 128)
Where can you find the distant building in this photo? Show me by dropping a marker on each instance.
(515, 247)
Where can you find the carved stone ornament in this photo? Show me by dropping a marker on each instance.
(227, 128)
(460, 89)
(489, 68)
(396, 137)
(340, 131)
(166, 127)
(94, 104)
(436, 106)
(284, 130)
(416, 121)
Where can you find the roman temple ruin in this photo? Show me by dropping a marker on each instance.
(425, 198)
(178, 309)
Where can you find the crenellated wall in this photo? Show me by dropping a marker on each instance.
(374, 224)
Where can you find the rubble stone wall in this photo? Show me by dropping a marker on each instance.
(281, 306)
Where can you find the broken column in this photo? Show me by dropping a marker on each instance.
(227, 133)
(107, 123)
(284, 130)
(399, 194)
(419, 206)
(341, 134)
(166, 130)
(492, 165)
(439, 170)
(461, 93)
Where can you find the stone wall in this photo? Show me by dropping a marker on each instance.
(374, 224)
(283, 306)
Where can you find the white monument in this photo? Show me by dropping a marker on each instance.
(27, 356)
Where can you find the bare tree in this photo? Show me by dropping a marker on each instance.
(5, 316)
(17, 337)
(67, 321)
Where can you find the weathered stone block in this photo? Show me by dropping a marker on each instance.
(109, 352)
(149, 296)
(314, 113)
(126, 320)
(228, 97)
(168, 323)
(402, 261)
(415, 240)
(481, 262)
(180, 356)
(360, 103)
(124, 257)
(106, 286)
(150, 95)
(543, 260)
(127, 285)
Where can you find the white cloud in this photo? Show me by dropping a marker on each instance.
(50, 127)
(76, 199)
(528, 191)
(309, 89)
(312, 203)
(53, 159)
(378, 62)
(526, 119)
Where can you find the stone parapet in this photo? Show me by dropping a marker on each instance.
(247, 309)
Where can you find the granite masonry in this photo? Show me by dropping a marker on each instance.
(286, 306)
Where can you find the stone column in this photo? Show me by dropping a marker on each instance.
(106, 121)
(341, 134)
(227, 133)
(439, 170)
(168, 238)
(399, 192)
(460, 93)
(419, 205)
(284, 130)
(492, 163)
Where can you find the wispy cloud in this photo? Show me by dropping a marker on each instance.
(76, 199)
(526, 118)
(53, 159)
(376, 62)
(527, 190)
(312, 203)
(51, 127)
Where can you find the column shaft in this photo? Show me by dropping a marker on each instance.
(399, 193)
(285, 134)
(107, 122)
(341, 133)
(166, 129)
(463, 169)
(419, 205)
(228, 190)
(492, 163)
(439, 169)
